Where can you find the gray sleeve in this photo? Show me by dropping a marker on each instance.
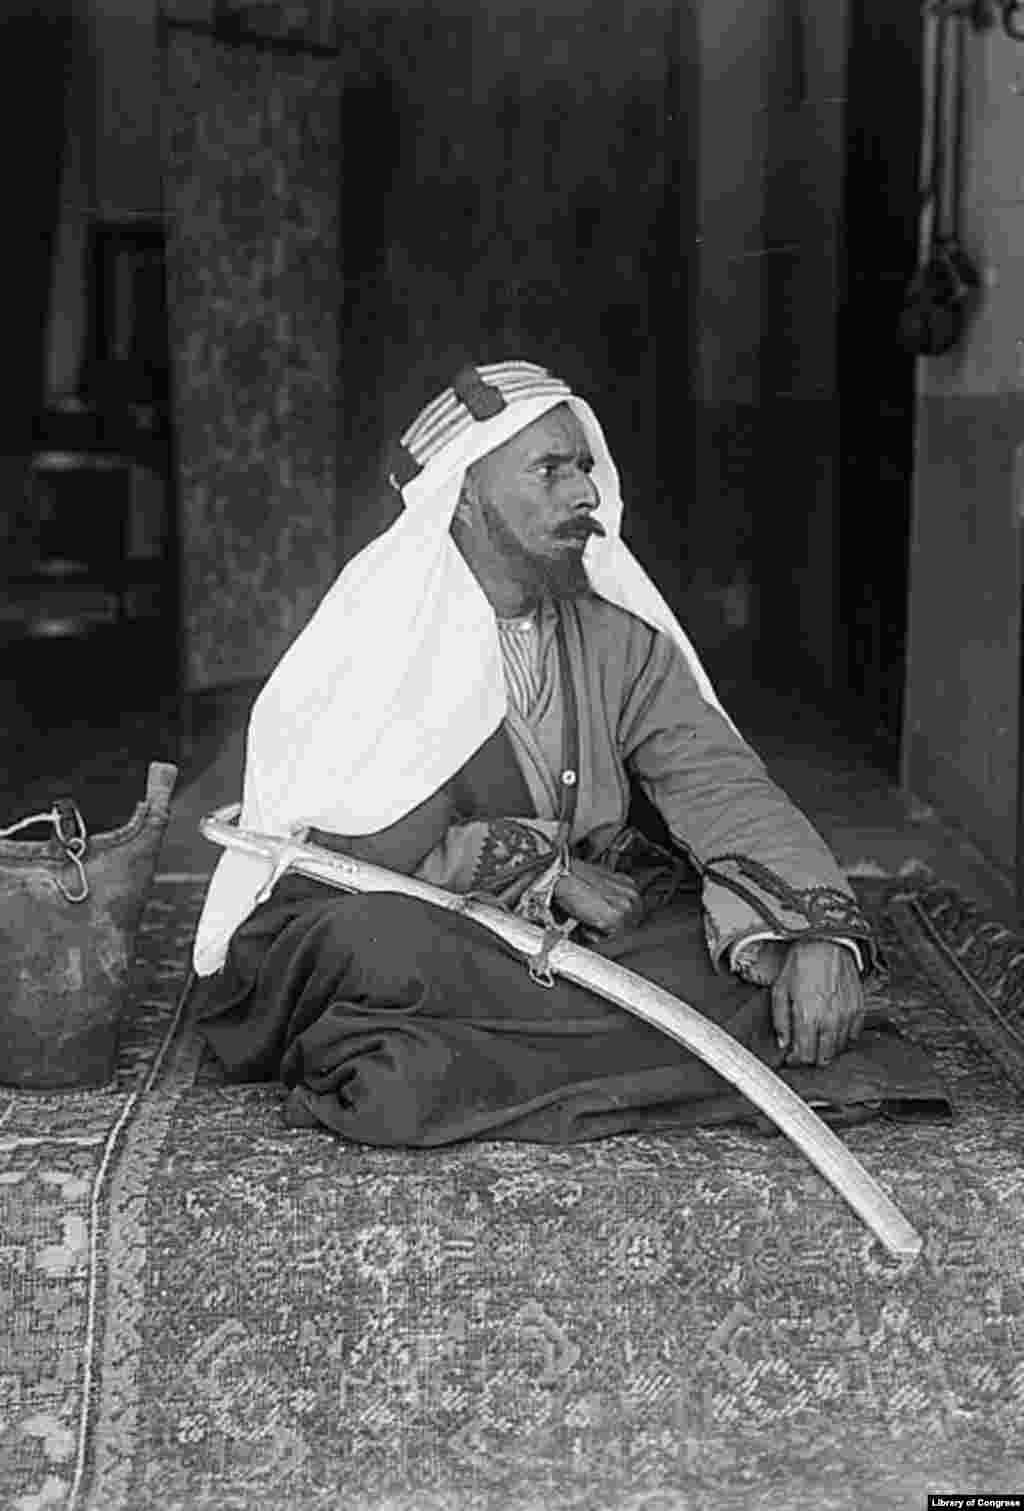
(765, 869)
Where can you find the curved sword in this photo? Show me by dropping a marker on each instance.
(618, 984)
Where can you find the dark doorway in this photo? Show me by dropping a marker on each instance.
(876, 376)
(521, 184)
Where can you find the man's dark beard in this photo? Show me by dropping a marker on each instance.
(543, 576)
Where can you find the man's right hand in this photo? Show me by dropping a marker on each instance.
(600, 899)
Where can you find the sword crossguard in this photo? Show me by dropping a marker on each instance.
(282, 865)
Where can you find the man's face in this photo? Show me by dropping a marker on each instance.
(533, 501)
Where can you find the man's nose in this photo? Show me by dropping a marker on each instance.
(585, 491)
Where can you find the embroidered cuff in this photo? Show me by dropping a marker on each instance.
(510, 849)
(777, 910)
(760, 957)
(788, 911)
(497, 859)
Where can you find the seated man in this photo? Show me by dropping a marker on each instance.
(482, 700)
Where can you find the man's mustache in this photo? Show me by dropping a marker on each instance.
(580, 530)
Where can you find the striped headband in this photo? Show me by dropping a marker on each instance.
(477, 394)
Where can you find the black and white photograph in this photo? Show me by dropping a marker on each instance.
(512, 756)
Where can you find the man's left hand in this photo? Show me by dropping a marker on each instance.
(817, 1002)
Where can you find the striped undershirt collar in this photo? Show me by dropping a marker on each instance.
(542, 616)
(523, 625)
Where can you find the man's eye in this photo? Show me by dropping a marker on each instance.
(551, 470)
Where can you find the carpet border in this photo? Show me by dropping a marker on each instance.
(966, 997)
(101, 1238)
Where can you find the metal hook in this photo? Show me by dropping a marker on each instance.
(540, 964)
(68, 822)
(74, 850)
(72, 836)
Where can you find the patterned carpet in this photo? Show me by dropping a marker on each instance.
(207, 1310)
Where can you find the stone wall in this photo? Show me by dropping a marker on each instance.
(251, 175)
